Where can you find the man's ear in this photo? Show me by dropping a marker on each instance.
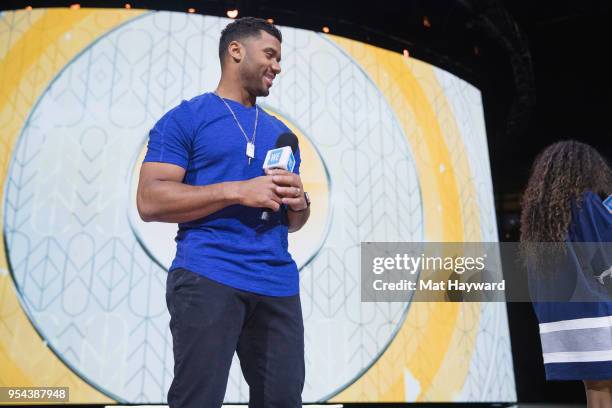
(235, 51)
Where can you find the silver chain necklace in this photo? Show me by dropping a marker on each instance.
(250, 147)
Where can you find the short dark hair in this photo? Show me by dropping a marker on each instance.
(245, 27)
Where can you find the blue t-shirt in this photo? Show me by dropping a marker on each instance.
(231, 246)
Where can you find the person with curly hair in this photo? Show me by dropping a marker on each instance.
(564, 205)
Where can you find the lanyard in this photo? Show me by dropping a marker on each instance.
(250, 147)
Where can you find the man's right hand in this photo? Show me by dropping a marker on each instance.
(259, 192)
(162, 195)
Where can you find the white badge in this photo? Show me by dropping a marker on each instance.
(250, 150)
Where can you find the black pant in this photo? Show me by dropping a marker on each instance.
(209, 321)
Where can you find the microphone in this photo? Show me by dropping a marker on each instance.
(282, 157)
(288, 139)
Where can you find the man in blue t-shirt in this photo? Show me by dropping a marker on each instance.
(233, 285)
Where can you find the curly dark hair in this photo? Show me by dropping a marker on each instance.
(245, 27)
(560, 176)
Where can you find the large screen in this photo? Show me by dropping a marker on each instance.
(393, 149)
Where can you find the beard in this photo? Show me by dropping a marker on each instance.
(253, 79)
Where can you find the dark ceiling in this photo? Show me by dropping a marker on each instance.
(540, 64)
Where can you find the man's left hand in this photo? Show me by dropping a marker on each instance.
(289, 188)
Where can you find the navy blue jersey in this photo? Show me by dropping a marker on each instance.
(577, 336)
